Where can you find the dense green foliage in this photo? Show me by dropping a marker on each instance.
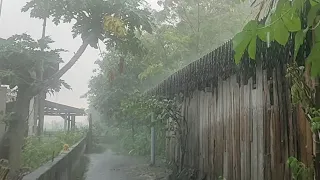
(19, 55)
(299, 170)
(115, 23)
(287, 18)
(88, 18)
(37, 152)
(132, 122)
(184, 31)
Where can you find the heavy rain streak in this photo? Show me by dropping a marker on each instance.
(159, 89)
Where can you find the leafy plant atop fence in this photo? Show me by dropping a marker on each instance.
(301, 20)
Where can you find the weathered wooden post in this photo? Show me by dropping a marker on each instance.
(73, 122)
(69, 122)
(152, 141)
(89, 135)
(65, 118)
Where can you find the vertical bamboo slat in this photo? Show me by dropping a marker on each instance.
(243, 133)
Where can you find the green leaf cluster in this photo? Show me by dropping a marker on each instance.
(299, 170)
(88, 17)
(280, 23)
(246, 39)
(314, 114)
(19, 56)
(300, 91)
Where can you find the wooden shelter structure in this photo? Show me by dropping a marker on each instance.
(68, 113)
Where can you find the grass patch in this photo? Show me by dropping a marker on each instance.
(38, 151)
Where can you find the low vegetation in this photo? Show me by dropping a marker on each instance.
(38, 151)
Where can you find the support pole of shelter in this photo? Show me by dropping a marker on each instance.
(36, 115)
(41, 99)
(73, 122)
(65, 127)
(69, 122)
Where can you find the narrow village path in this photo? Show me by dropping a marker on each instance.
(111, 166)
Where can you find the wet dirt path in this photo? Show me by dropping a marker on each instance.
(111, 166)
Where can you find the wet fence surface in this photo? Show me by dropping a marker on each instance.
(241, 122)
(244, 131)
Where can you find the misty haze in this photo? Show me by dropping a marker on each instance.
(159, 89)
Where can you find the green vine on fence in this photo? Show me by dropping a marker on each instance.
(299, 170)
(302, 94)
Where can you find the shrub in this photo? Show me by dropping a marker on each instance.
(39, 150)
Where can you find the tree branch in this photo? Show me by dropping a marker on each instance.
(44, 85)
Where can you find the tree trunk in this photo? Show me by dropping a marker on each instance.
(42, 96)
(18, 124)
(17, 127)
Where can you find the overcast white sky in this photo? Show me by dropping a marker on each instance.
(12, 21)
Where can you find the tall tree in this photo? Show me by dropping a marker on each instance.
(183, 33)
(113, 22)
(187, 30)
(207, 23)
(170, 47)
(19, 55)
(40, 100)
